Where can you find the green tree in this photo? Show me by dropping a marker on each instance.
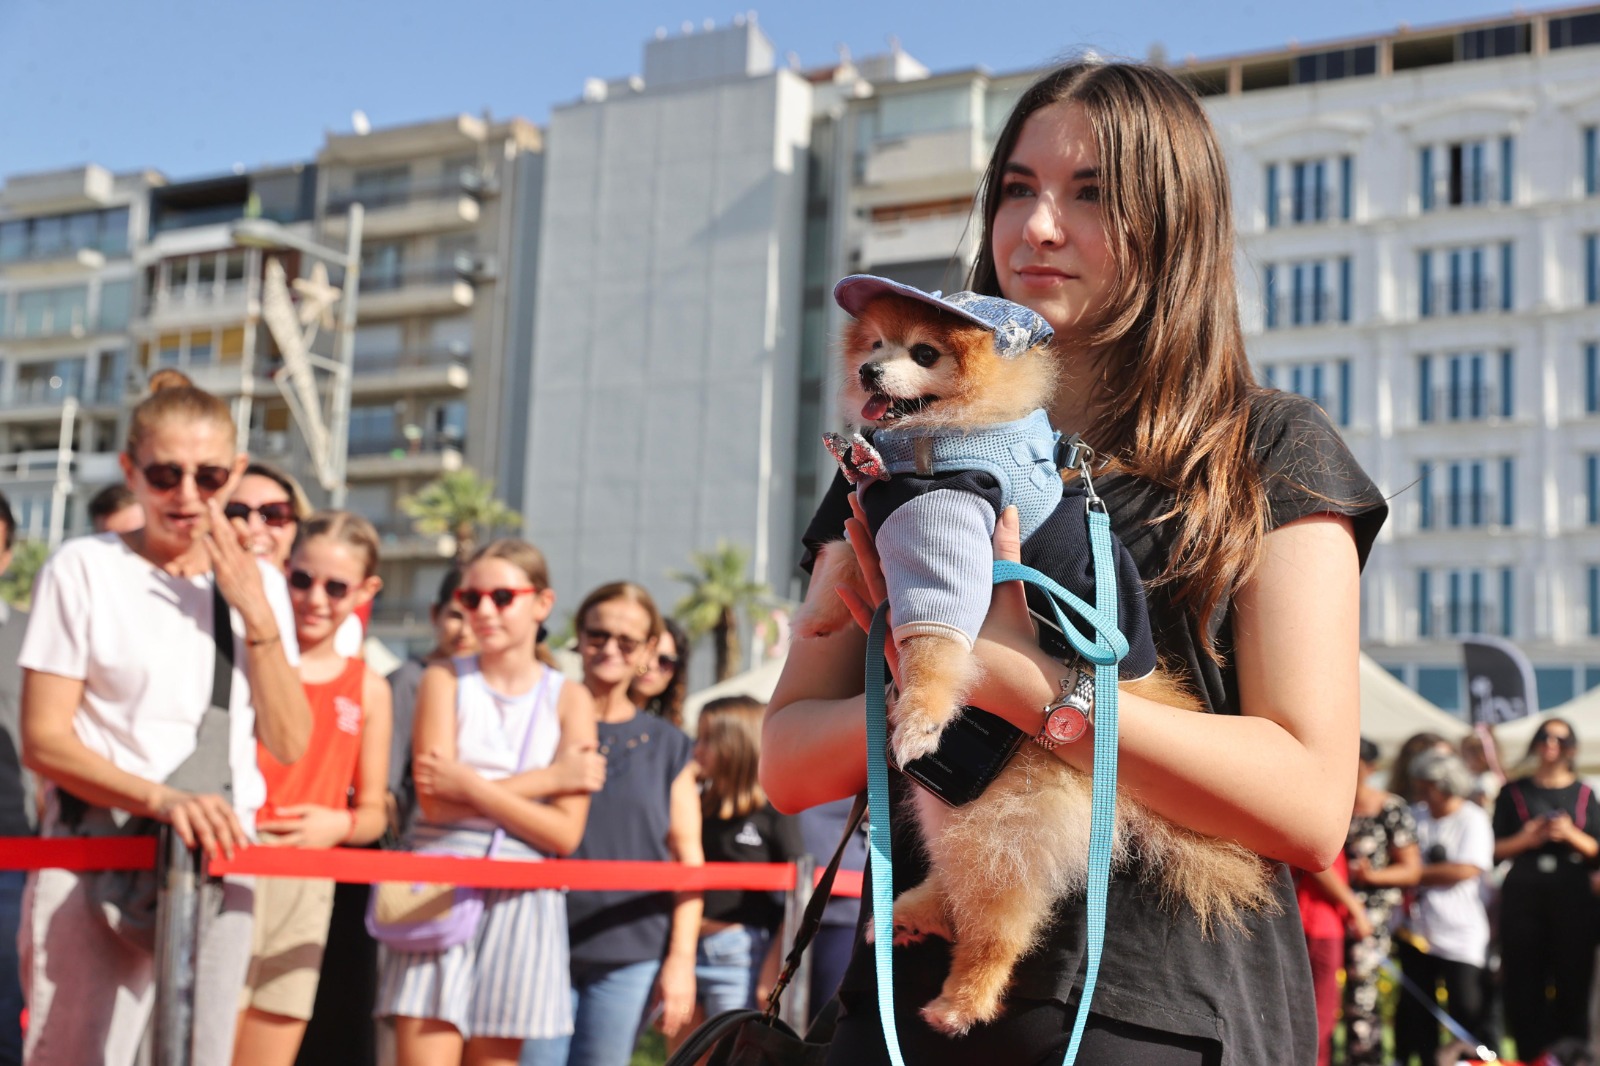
(720, 591)
(16, 584)
(463, 505)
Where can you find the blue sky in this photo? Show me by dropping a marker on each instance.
(192, 87)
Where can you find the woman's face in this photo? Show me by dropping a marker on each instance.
(660, 670)
(175, 470)
(327, 580)
(270, 541)
(1051, 252)
(1553, 743)
(614, 640)
(452, 633)
(495, 627)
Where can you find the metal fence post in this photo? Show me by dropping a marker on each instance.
(177, 933)
(796, 1005)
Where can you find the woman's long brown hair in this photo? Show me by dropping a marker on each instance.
(1176, 388)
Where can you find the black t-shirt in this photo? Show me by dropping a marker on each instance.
(1250, 991)
(1521, 801)
(763, 835)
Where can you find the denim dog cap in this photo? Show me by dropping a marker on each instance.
(1015, 328)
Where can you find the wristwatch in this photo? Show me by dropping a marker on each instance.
(1068, 717)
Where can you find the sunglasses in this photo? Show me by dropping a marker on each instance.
(599, 638)
(1564, 739)
(501, 598)
(277, 515)
(666, 662)
(304, 581)
(164, 477)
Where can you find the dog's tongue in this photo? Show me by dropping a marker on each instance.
(876, 407)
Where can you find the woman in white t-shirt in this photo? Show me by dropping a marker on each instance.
(118, 668)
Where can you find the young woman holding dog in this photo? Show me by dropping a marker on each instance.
(1106, 209)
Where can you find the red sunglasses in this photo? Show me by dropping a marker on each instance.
(501, 598)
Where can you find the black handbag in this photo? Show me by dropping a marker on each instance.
(750, 1037)
(127, 899)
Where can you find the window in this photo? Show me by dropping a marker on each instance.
(54, 236)
(1460, 281)
(1425, 515)
(924, 111)
(1594, 601)
(116, 304)
(1335, 64)
(1591, 486)
(1471, 386)
(1591, 269)
(372, 427)
(453, 335)
(1554, 685)
(52, 312)
(1440, 686)
(1319, 293)
(1493, 41)
(1307, 191)
(381, 186)
(1466, 173)
(381, 265)
(1574, 31)
(1591, 378)
(1591, 160)
(1424, 603)
(1326, 383)
(1456, 494)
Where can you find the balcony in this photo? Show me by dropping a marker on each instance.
(437, 370)
(1450, 621)
(449, 204)
(917, 157)
(1311, 309)
(40, 399)
(53, 324)
(909, 240)
(199, 305)
(402, 541)
(425, 289)
(1308, 209)
(63, 261)
(401, 620)
(1465, 512)
(58, 190)
(424, 455)
(92, 468)
(1461, 298)
(1461, 404)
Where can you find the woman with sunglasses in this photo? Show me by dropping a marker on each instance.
(118, 680)
(334, 795)
(630, 948)
(1545, 824)
(501, 743)
(664, 681)
(270, 505)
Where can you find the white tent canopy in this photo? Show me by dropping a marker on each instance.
(1583, 713)
(757, 684)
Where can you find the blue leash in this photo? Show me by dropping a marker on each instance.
(1105, 651)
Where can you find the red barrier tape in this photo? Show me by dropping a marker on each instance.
(362, 866)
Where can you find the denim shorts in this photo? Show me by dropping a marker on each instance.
(727, 967)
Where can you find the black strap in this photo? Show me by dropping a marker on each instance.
(811, 920)
(222, 633)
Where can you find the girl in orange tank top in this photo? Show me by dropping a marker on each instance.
(335, 794)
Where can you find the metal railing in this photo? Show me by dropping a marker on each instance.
(1463, 618)
(421, 359)
(1321, 308)
(465, 182)
(1464, 297)
(401, 446)
(457, 268)
(1462, 404)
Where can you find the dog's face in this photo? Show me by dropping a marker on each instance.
(908, 364)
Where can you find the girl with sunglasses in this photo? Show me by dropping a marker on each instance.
(664, 682)
(630, 948)
(334, 795)
(1545, 824)
(270, 505)
(118, 679)
(501, 742)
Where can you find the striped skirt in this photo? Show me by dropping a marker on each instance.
(510, 981)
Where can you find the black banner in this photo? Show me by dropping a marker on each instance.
(1500, 685)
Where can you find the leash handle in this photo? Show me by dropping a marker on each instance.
(1107, 649)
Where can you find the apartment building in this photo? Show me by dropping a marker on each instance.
(444, 322)
(1418, 216)
(67, 296)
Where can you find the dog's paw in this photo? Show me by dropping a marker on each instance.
(944, 1015)
(913, 738)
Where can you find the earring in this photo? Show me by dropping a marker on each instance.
(645, 669)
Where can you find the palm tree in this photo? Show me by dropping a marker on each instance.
(462, 504)
(719, 592)
(16, 587)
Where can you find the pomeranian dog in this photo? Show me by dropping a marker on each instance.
(954, 389)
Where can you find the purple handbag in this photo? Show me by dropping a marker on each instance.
(411, 917)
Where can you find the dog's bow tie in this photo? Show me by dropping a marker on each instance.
(858, 459)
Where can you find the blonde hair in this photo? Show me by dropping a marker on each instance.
(173, 397)
(530, 560)
(346, 528)
(730, 728)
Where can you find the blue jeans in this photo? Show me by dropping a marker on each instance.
(607, 1013)
(12, 883)
(727, 967)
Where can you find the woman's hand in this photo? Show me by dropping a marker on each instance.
(675, 990)
(308, 825)
(440, 777)
(238, 574)
(207, 822)
(579, 768)
(1358, 921)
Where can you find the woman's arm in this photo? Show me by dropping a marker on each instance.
(283, 717)
(813, 736)
(51, 749)
(433, 743)
(1565, 830)
(1405, 867)
(553, 825)
(577, 768)
(675, 982)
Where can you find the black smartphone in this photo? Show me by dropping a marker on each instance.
(972, 752)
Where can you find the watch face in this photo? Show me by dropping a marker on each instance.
(1066, 724)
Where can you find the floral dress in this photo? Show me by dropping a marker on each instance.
(1375, 838)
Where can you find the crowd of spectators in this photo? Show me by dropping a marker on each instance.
(196, 663)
